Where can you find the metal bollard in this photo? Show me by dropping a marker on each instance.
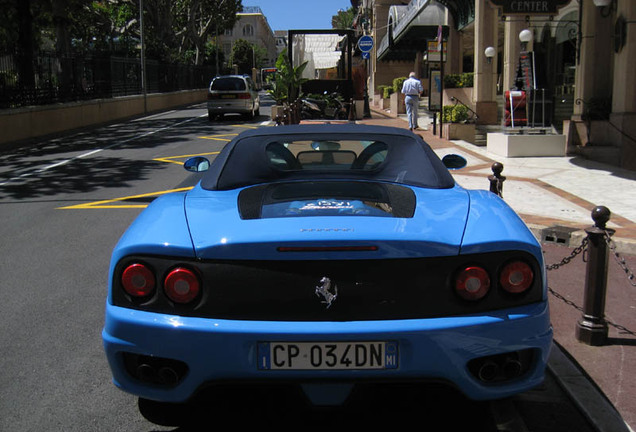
(592, 327)
(435, 123)
(496, 180)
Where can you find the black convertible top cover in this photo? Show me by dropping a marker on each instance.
(407, 159)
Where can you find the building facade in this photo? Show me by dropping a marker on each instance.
(253, 27)
(574, 62)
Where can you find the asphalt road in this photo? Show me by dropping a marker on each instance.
(64, 202)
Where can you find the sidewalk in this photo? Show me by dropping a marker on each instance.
(555, 197)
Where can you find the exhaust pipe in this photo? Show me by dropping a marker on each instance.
(146, 373)
(488, 371)
(168, 376)
(512, 368)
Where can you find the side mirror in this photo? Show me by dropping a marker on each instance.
(453, 161)
(196, 164)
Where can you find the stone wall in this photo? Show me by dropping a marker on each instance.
(32, 122)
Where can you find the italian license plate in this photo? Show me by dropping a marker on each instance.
(327, 355)
(228, 96)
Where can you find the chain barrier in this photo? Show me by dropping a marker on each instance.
(578, 250)
(582, 249)
(619, 259)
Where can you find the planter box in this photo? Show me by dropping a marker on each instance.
(460, 131)
(359, 104)
(397, 104)
(385, 103)
(277, 110)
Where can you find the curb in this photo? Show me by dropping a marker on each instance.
(554, 235)
(588, 398)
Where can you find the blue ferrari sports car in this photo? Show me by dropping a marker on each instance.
(326, 257)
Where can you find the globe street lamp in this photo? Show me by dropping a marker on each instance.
(490, 52)
(525, 36)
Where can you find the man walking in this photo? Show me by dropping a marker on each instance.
(412, 89)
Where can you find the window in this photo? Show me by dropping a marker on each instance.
(228, 84)
(228, 32)
(248, 30)
(327, 155)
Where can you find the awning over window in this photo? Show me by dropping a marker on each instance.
(410, 28)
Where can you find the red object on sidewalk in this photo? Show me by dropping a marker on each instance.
(515, 103)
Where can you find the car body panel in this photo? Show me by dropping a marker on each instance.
(431, 349)
(218, 231)
(273, 276)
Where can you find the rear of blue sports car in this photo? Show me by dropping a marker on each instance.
(326, 282)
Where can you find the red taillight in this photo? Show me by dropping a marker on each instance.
(138, 280)
(244, 96)
(182, 285)
(472, 283)
(516, 277)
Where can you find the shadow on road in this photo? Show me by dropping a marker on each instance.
(433, 407)
(51, 166)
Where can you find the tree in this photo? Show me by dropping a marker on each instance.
(286, 87)
(197, 20)
(343, 19)
(246, 56)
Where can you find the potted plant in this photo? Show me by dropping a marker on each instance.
(456, 123)
(385, 96)
(397, 99)
(286, 89)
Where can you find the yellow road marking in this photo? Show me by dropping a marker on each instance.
(219, 137)
(169, 159)
(108, 204)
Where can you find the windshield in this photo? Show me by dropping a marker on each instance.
(326, 155)
(327, 152)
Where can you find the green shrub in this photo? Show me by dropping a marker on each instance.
(397, 84)
(458, 80)
(454, 113)
(385, 91)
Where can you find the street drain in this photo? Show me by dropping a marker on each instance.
(558, 234)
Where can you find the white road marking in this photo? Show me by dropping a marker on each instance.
(92, 152)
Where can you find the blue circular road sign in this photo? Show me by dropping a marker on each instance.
(365, 43)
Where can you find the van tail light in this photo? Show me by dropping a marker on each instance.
(182, 285)
(138, 280)
(472, 283)
(516, 277)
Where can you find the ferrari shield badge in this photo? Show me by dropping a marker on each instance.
(327, 290)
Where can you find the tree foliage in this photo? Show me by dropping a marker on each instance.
(344, 19)
(174, 30)
(246, 56)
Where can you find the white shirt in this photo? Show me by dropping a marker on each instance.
(412, 87)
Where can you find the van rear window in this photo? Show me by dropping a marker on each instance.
(225, 84)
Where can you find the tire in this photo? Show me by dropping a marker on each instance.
(342, 115)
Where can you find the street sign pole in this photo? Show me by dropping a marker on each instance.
(365, 43)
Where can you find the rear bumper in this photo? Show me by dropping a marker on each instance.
(232, 106)
(222, 351)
